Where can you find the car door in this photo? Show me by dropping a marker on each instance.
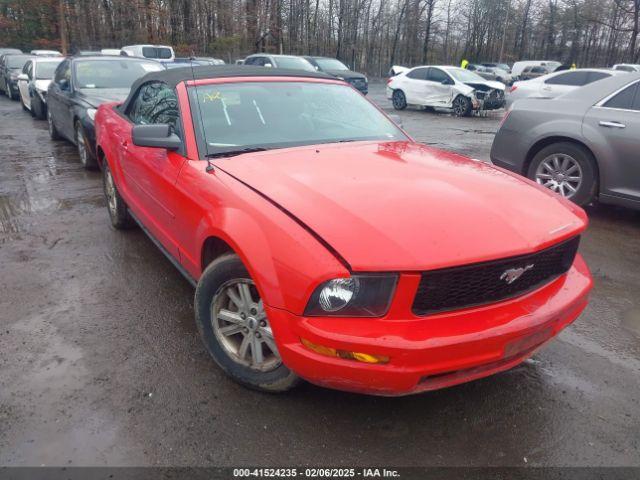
(23, 85)
(439, 87)
(59, 99)
(612, 126)
(414, 86)
(150, 174)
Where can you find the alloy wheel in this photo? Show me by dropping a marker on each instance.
(241, 326)
(110, 192)
(82, 146)
(561, 173)
(459, 106)
(398, 100)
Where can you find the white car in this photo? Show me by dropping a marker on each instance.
(445, 87)
(110, 51)
(627, 67)
(33, 83)
(519, 67)
(161, 53)
(46, 53)
(557, 83)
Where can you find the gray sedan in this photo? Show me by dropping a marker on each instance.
(582, 145)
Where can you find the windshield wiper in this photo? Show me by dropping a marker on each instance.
(232, 153)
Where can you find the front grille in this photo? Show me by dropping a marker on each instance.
(487, 282)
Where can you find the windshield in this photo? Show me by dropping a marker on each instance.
(236, 116)
(112, 73)
(45, 70)
(330, 64)
(162, 53)
(295, 63)
(464, 75)
(17, 61)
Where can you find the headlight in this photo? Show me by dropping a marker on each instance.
(356, 296)
(91, 113)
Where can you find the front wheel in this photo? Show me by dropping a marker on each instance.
(461, 106)
(53, 131)
(86, 158)
(235, 329)
(399, 100)
(118, 211)
(38, 108)
(567, 169)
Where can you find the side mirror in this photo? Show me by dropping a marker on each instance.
(156, 136)
(396, 119)
(23, 76)
(64, 84)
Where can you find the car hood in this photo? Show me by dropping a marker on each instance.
(97, 97)
(402, 206)
(346, 74)
(483, 85)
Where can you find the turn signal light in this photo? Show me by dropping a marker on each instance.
(332, 352)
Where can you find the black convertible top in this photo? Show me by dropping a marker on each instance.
(174, 76)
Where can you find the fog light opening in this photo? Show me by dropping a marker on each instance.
(344, 354)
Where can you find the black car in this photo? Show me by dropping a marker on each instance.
(80, 85)
(336, 68)
(10, 68)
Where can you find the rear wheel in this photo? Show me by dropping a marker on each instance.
(399, 100)
(38, 109)
(235, 329)
(567, 169)
(118, 211)
(461, 106)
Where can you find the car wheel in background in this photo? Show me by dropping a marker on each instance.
(118, 211)
(38, 109)
(235, 329)
(86, 158)
(567, 169)
(461, 106)
(399, 100)
(53, 131)
(12, 95)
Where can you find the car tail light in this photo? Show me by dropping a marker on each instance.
(389, 80)
(513, 88)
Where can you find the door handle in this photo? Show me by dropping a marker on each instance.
(612, 124)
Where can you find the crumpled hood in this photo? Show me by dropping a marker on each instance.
(487, 83)
(401, 206)
(97, 97)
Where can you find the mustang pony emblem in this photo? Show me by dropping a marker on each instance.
(513, 274)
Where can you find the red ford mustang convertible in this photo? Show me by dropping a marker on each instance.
(325, 244)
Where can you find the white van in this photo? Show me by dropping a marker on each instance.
(518, 67)
(162, 53)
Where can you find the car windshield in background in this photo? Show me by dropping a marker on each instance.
(162, 53)
(235, 116)
(45, 70)
(17, 61)
(331, 64)
(295, 63)
(464, 75)
(112, 73)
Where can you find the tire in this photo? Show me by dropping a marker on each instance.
(249, 325)
(86, 157)
(53, 131)
(559, 165)
(399, 100)
(24, 107)
(461, 106)
(13, 96)
(118, 210)
(38, 109)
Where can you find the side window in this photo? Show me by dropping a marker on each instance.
(437, 75)
(25, 69)
(155, 103)
(418, 74)
(576, 79)
(626, 99)
(249, 61)
(63, 72)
